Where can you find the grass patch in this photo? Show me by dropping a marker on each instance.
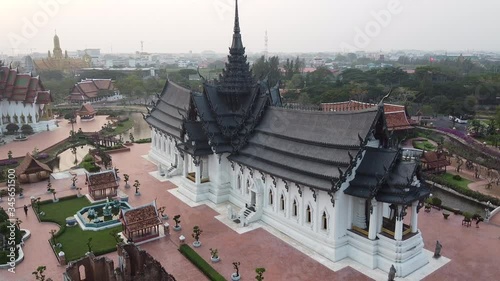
(451, 180)
(120, 128)
(74, 239)
(424, 145)
(200, 263)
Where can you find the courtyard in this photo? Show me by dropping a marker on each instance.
(284, 259)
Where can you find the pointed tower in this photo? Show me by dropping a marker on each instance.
(57, 48)
(236, 80)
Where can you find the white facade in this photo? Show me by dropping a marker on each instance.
(21, 113)
(303, 213)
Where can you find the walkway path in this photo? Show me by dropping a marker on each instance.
(43, 140)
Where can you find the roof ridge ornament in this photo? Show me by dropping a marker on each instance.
(381, 103)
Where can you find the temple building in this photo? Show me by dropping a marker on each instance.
(102, 185)
(93, 90)
(332, 180)
(23, 100)
(59, 61)
(86, 112)
(396, 116)
(141, 223)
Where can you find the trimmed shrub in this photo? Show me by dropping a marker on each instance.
(200, 263)
(147, 140)
(436, 201)
(27, 129)
(12, 128)
(457, 177)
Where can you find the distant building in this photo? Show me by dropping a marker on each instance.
(59, 61)
(395, 115)
(23, 100)
(93, 90)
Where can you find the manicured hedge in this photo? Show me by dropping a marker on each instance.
(147, 140)
(463, 190)
(199, 262)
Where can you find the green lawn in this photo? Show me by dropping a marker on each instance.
(74, 239)
(449, 179)
(121, 128)
(424, 145)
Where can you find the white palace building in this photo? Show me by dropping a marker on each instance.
(331, 180)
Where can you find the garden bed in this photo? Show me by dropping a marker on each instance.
(74, 239)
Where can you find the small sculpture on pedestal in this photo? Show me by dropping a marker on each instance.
(392, 273)
(437, 251)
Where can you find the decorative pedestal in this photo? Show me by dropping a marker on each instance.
(62, 258)
(182, 239)
(166, 228)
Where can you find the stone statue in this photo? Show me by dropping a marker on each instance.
(392, 273)
(437, 252)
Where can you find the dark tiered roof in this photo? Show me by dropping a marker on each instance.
(229, 109)
(313, 148)
(170, 109)
(389, 180)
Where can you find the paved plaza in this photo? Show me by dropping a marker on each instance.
(472, 251)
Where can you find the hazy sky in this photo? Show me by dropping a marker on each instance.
(175, 26)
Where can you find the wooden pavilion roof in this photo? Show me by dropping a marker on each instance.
(141, 217)
(30, 165)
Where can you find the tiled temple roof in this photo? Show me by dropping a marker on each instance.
(15, 86)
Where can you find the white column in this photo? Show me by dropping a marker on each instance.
(414, 217)
(380, 216)
(398, 231)
(185, 166)
(372, 231)
(198, 173)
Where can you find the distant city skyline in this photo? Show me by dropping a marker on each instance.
(180, 26)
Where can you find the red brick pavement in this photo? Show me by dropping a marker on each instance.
(473, 251)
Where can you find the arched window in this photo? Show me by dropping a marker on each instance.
(282, 202)
(308, 214)
(295, 212)
(239, 182)
(81, 271)
(248, 186)
(270, 197)
(324, 221)
(169, 149)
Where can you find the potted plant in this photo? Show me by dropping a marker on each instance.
(49, 186)
(235, 276)
(177, 219)
(74, 180)
(214, 255)
(54, 194)
(126, 178)
(78, 194)
(446, 214)
(89, 245)
(196, 235)
(260, 271)
(467, 219)
(21, 195)
(136, 185)
(162, 210)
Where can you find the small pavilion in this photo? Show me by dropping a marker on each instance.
(141, 223)
(434, 161)
(32, 170)
(86, 112)
(102, 184)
